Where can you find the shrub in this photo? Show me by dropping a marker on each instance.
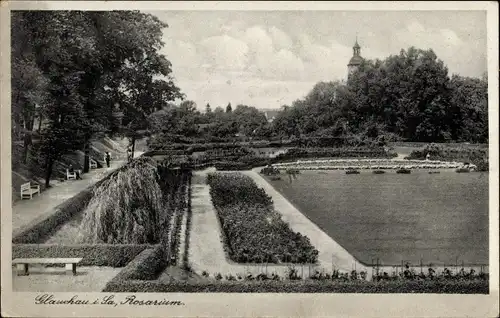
(270, 171)
(145, 266)
(42, 230)
(253, 231)
(460, 153)
(121, 212)
(403, 171)
(307, 286)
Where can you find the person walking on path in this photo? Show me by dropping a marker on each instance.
(107, 158)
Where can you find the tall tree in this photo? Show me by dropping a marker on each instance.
(229, 108)
(93, 61)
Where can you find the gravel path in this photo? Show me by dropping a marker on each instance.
(206, 250)
(88, 279)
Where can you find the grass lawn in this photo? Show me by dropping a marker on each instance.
(436, 218)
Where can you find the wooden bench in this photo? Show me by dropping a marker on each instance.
(93, 164)
(72, 175)
(23, 264)
(27, 190)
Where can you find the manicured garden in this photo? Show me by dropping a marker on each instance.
(135, 213)
(374, 163)
(477, 155)
(433, 218)
(253, 230)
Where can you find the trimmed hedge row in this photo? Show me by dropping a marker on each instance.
(187, 237)
(64, 212)
(308, 286)
(93, 255)
(477, 156)
(145, 266)
(41, 231)
(163, 141)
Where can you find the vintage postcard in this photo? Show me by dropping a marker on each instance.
(295, 159)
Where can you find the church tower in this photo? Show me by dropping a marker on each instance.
(356, 59)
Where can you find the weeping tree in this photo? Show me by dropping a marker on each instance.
(127, 208)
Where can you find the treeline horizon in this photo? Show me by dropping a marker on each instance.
(409, 96)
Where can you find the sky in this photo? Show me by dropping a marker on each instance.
(268, 59)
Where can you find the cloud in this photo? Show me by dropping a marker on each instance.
(225, 52)
(451, 37)
(280, 39)
(221, 57)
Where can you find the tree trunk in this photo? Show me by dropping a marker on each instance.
(133, 146)
(29, 122)
(40, 124)
(27, 144)
(86, 150)
(48, 172)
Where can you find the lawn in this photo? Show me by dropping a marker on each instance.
(437, 218)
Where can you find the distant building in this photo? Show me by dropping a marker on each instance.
(356, 59)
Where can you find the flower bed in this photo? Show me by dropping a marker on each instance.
(253, 230)
(378, 164)
(477, 156)
(478, 286)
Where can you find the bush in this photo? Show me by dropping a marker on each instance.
(93, 255)
(188, 227)
(345, 152)
(307, 286)
(42, 230)
(270, 171)
(475, 155)
(145, 266)
(254, 232)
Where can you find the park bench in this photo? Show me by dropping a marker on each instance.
(72, 175)
(93, 164)
(22, 264)
(27, 190)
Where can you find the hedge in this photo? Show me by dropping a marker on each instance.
(93, 255)
(187, 236)
(145, 266)
(306, 286)
(42, 230)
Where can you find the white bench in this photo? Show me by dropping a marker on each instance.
(93, 164)
(22, 264)
(72, 175)
(27, 190)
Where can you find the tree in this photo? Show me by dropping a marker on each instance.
(208, 109)
(86, 62)
(229, 108)
(249, 119)
(408, 95)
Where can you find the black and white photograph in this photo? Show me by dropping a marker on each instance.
(249, 151)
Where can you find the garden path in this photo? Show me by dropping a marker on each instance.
(206, 249)
(28, 212)
(331, 254)
(88, 279)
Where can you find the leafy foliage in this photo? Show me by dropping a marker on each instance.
(477, 156)
(408, 96)
(72, 68)
(254, 231)
(127, 208)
